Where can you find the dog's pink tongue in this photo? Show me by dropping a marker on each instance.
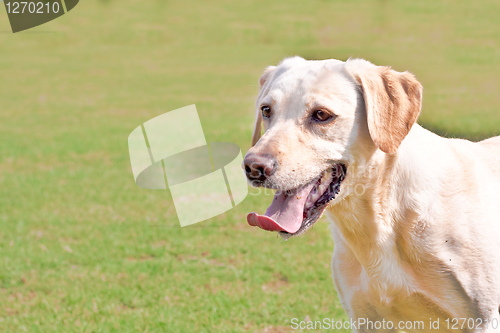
(285, 213)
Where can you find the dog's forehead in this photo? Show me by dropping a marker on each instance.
(300, 81)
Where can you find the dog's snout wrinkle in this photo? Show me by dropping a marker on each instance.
(259, 167)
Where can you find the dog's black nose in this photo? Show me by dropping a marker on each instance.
(259, 167)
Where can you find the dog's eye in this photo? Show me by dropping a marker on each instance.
(266, 111)
(320, 115)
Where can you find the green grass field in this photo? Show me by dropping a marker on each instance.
(83, 249)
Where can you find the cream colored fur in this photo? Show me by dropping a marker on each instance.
(416, 224)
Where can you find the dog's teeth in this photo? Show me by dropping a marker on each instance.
(311, 200)
(322, 188)
(324, 183)
(325, 175)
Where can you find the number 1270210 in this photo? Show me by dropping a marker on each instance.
(32, 7)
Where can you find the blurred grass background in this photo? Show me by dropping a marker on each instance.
(83, 249)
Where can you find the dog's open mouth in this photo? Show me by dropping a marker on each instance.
(294, 211)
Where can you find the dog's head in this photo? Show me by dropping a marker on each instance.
(321, 120)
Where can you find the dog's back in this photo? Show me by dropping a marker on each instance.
(493, 156)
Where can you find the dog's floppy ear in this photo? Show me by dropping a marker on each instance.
(258, 115)
(393, 101)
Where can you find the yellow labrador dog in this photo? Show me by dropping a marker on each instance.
(416, 217)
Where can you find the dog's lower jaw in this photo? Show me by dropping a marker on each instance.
(305, 226)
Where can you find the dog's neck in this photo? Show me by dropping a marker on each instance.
(379, 215)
